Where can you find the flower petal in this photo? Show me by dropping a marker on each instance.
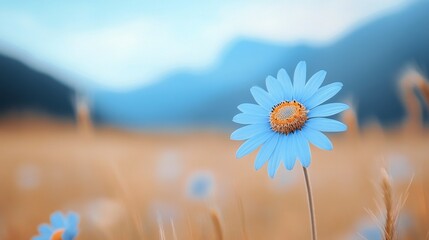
(40, 238)
(263, 98)
(73, 220)
(312, 85)
(275, 158)
(45, 229)
(326, 125)
(303, 149)
(323, 94)
(249, 131)
(244, 118)
(253, 143)
(299, 78)
(327, 110)
(274, 88)
(317, 138)
(266, 151)
(69, 234)
(290, 154)
(57, 220)
(286, 83)
(253, 109)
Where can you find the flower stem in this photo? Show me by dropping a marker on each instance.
(310, 205)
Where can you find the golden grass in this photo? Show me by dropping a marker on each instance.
(390, 214)
(216, 224)
(123, 174)
(128, 185)
(242, 218)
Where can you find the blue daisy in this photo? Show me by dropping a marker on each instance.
(63, 227)
(200, 185)
(287, 118)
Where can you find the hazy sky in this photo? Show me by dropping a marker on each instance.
(124, 44)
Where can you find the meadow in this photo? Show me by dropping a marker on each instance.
(132, 121)
(141, 184)
(128, 185)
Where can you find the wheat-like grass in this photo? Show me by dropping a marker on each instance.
(243, 220)
(189, 223)
(424, 89)
(350, 118)
(173, 228)
(160, 226)
(426, 214)
(392, 212)
(127, 196)
(83, 116)
(408, 82)
(389, 226)
(216, 224)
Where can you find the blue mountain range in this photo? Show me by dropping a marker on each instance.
(24, 89)
(368, 61)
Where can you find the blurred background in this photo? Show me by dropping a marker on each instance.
(121, 111)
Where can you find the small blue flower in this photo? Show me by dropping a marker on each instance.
(372, 232)
(200, 185)
(63, 227)
(288, 117)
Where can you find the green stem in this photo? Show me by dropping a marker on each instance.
(310, 205)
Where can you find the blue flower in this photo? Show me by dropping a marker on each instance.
(372, 232)
(287, 118)
(62, 227)
(200, 185)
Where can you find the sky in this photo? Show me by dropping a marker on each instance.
(121, 45)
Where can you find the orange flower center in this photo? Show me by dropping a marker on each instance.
(288, 116)
(57, 235)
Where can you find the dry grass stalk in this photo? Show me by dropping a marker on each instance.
(410, 79)
(216, 224)
(243, 222)
(173, 229)
(424, 89)
(160, 227)
(389, 226)
(350, 119)
(83, 116)
(191, 232)
(392, 212)
(424, 213)
(123, 187)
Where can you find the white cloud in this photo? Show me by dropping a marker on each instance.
(138, 51)
(311, 21)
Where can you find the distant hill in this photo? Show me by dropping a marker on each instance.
(367, 61)
(24, 89)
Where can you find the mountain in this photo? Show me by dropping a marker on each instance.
(367, 60)
(24, 89)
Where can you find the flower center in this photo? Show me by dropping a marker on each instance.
(288, 116)
(57, 235)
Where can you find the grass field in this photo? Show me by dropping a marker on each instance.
(128, 185)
